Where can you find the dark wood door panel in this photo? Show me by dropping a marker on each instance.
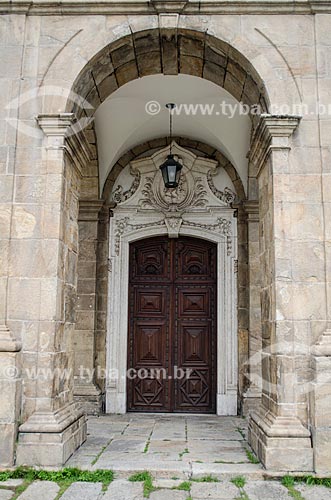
(172, 325)
(194, 301)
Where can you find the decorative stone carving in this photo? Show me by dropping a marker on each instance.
(119, 196)
(222, 225)
(173, 225)
(227, 196)
(123, 225)
(191, 192)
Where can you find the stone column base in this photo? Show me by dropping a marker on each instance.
(89, 397)
(50, 438)
(281, 443)
(227, 404)
(251, 401)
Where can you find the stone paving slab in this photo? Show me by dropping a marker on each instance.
(6, 494)
(262, 490)
(216, 446)
(214, 434)
(82, 491)
(176, 446)
(224, 490)
(167, 483)
(161, 469)
(40, 490)
(129, 445)
(169, 495)
(11, 483)
(121, 489)
(228, 456)
(314, 492)
(226, 471)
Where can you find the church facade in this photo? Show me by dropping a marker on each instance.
(221, 285)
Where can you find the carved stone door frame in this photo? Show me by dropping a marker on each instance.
(198, 211)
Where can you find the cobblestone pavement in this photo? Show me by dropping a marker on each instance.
(187, 457)
(167, 489)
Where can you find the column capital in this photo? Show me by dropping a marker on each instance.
(323, 345)
(7, 342)
(272, 133)
(251, 208)
(56, 124)
(89, 209)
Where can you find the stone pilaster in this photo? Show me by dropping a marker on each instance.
(86, 391)
(252, 396)
(10, 390)
(276, 433)
(320, 407)
(57, 426)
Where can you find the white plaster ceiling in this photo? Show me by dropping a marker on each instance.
(122, 123)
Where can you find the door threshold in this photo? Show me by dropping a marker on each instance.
(171, 414)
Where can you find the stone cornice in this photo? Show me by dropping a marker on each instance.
(117, 7)
(60, 129)
(55, 125)
(7, 342)
(89, 209)
(251, 208)
(272, 133)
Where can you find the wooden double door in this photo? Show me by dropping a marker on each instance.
(172, 342)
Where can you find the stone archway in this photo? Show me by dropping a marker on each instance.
(168, 51)
(276, 426)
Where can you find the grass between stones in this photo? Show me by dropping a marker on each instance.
(184, 486)
(94, 461)
(147, 479)
(205, 479)
(240, 482)
(182, 453)
(251, 457)
(64, 477)
(289, 482)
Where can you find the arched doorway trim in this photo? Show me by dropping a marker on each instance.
(206, 217)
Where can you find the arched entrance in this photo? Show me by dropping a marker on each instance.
(172, 337)
(52, 416)
(194, 210)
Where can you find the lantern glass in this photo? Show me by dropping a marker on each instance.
(171, 172)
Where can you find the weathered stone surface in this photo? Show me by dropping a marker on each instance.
(164, 495)
(224, 490)
(40, 490)
(11, 482)
(272, 490)
(6, 494)
(88, 491)
(313, 492)
(121, 489)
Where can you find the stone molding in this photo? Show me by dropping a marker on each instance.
(89, 210)
(115, 7)
(323, 345)
(61, 133)
(7, 342)
(272, 133)
(251, 208)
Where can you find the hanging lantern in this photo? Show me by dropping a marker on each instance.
(171, 172)
(171, 168)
